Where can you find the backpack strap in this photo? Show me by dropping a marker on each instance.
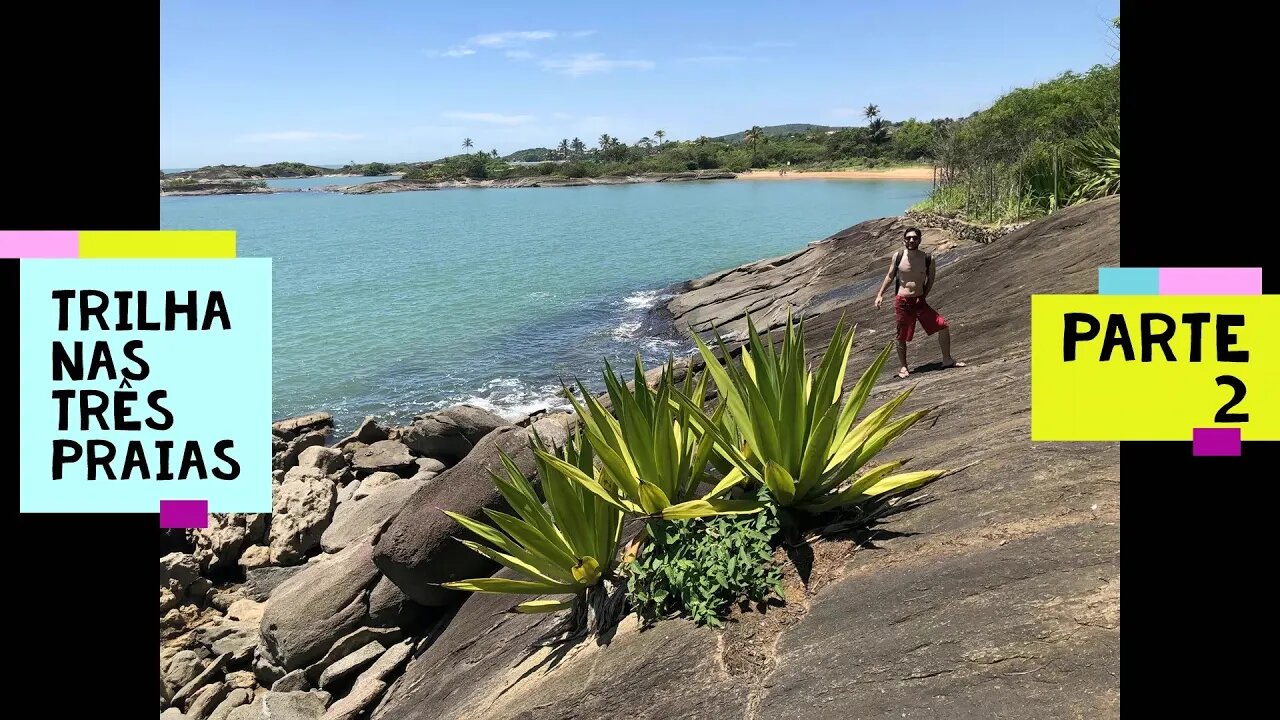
(897, 258)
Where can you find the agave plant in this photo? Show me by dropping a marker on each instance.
(652, 452)
(787, 429)
(1098, 154)
(567, 547)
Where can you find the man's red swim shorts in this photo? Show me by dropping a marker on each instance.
(910, 309)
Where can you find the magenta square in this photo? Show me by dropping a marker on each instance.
(184, 513)
(1215, 442)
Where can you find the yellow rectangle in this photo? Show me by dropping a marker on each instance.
(158, 244)
(1089, 399)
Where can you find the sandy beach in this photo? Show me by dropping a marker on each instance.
(906, 173)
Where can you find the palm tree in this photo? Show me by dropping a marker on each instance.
(659, 134)
(754, 137)
(578, 146)
(870, 112)
(605, 141)
(645, 143)
(494, 152)
(563, 148)
(466, 143)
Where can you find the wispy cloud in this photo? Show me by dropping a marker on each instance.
(507, 39)
(593, 63)
(772, 44)
(713, 59)
(490, 118)
(301, 136)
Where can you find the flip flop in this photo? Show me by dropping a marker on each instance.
(955, 364)
(904, 373)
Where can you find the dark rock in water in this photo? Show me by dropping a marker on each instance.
(995, 595)
(370, 432)
(293, 427)
(418, 549)
(448, 434)
(384, 456)
(319, 605)
(355, 518)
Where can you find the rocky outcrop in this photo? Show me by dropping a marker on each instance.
(418, 550)
(997, 595)
(545, 181)
(447, 436)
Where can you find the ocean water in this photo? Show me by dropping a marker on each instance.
(395, 304)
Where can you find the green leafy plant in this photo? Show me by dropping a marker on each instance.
(786, 428)
(699, 568)
(1098, 156)
(567, 547)
(653, 456)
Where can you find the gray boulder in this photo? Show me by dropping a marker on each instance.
(448, 434)
(353, 519)
(384, 456)
(325, 601)
(418, 550)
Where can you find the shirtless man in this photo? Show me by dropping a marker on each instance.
(915, 271)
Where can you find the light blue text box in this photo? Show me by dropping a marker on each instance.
(218, 383)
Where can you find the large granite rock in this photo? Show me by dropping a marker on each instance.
(353, 518)
(302, 509)
(384, 456)
(996, 597)
(449, 434)
(320, 604)
(418, 548)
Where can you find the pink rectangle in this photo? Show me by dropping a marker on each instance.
(1211, 281)
(39, 244)
(1215, 442)
(186, 514)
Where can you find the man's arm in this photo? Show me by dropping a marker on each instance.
(928, 283)
(887, 278)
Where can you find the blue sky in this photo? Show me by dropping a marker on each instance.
(330, 82)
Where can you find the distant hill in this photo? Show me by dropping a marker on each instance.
(529, 155)
(778, 130)
(241, 172)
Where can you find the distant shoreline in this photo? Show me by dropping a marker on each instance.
(399, 184)
(904, 173)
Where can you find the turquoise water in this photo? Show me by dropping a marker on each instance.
(396, 304)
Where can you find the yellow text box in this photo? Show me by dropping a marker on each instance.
(1089, 399)
(158, 244)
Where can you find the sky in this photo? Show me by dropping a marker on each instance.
(327, 83)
